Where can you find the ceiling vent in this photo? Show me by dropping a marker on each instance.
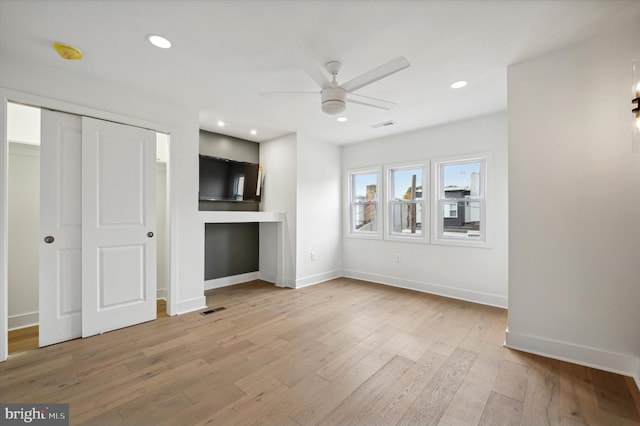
(383, 124)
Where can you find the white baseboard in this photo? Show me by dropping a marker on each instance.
(318, 278)
(161, 293)
(191, 305)
(23, 320)
(637, 376)
(425, 287)
(269, 278)
(232, 280)
(613, 362)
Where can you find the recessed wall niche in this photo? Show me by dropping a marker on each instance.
(230, 248)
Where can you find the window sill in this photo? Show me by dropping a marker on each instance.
(423, 239)
(460, 242)
(363, 236)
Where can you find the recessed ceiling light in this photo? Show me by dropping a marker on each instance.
(220, 123)
(254, 132)
(342, 119)
(159, 41)
(459, 84)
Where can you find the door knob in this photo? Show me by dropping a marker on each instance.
(150, 234)
(49, 239)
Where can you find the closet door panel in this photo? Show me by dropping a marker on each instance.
(119, 221)
(60, 274)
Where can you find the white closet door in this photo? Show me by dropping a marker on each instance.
(118, 226)
(60, 302)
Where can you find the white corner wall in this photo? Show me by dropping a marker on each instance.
(318, 212)
(162, 263)
(278, 158)
(469, 273)
(574, 186)
(24, 231)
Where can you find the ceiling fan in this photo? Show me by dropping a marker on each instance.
(334, 96)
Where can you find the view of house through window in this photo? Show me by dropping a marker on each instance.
(406, 201)
(457, 194)
(364, 202)
(460, 209)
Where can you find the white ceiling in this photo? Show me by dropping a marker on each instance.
(225, 52)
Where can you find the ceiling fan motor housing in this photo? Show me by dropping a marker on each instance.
(333, 100)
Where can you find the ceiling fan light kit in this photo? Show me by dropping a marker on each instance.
(334, 100)
(333, 96)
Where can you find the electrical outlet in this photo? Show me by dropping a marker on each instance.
(397, 257)
(313, 255)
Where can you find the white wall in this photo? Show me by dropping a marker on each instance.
(471, 273)
(162, 266)
(24, 231)
(63, 88)
(278, 158)
(574, 186)
(318, 211)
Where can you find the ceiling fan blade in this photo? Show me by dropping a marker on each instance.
(376, 74)
(316, 75)
(274, 94)
(369, 101)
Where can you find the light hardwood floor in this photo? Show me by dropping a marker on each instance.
(339, 353)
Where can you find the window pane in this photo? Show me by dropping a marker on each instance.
(403, 184)
(450, 210)
(406, 218)
(365, 218)
(365, 187)
(466, 222)
(461, 179)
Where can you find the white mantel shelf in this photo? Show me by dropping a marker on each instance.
(275, 219)
(238, 217)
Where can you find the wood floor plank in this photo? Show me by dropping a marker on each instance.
(541, 403)
(431, 404)
(324, 401)
(613, 396)
(501, 410)
(356, 406)
(342, 352)
(399, 396)
(278, 411)
(512, 380)
(467, 405)
(248, 407)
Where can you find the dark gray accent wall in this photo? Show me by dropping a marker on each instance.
(230, 249)
(223, 146)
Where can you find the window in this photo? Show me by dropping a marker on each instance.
(364, 197)
(450, 210)
(406, 192)
(459, 205)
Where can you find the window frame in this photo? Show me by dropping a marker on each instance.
(352, 203)
(390, 202)
(438, 200)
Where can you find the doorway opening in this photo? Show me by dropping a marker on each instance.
(24, 211)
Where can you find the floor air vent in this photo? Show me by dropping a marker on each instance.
(211, 311)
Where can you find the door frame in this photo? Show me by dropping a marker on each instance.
(7, 95)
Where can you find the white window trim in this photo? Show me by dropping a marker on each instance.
(349, 219)
(389, 202)
(437, 201)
